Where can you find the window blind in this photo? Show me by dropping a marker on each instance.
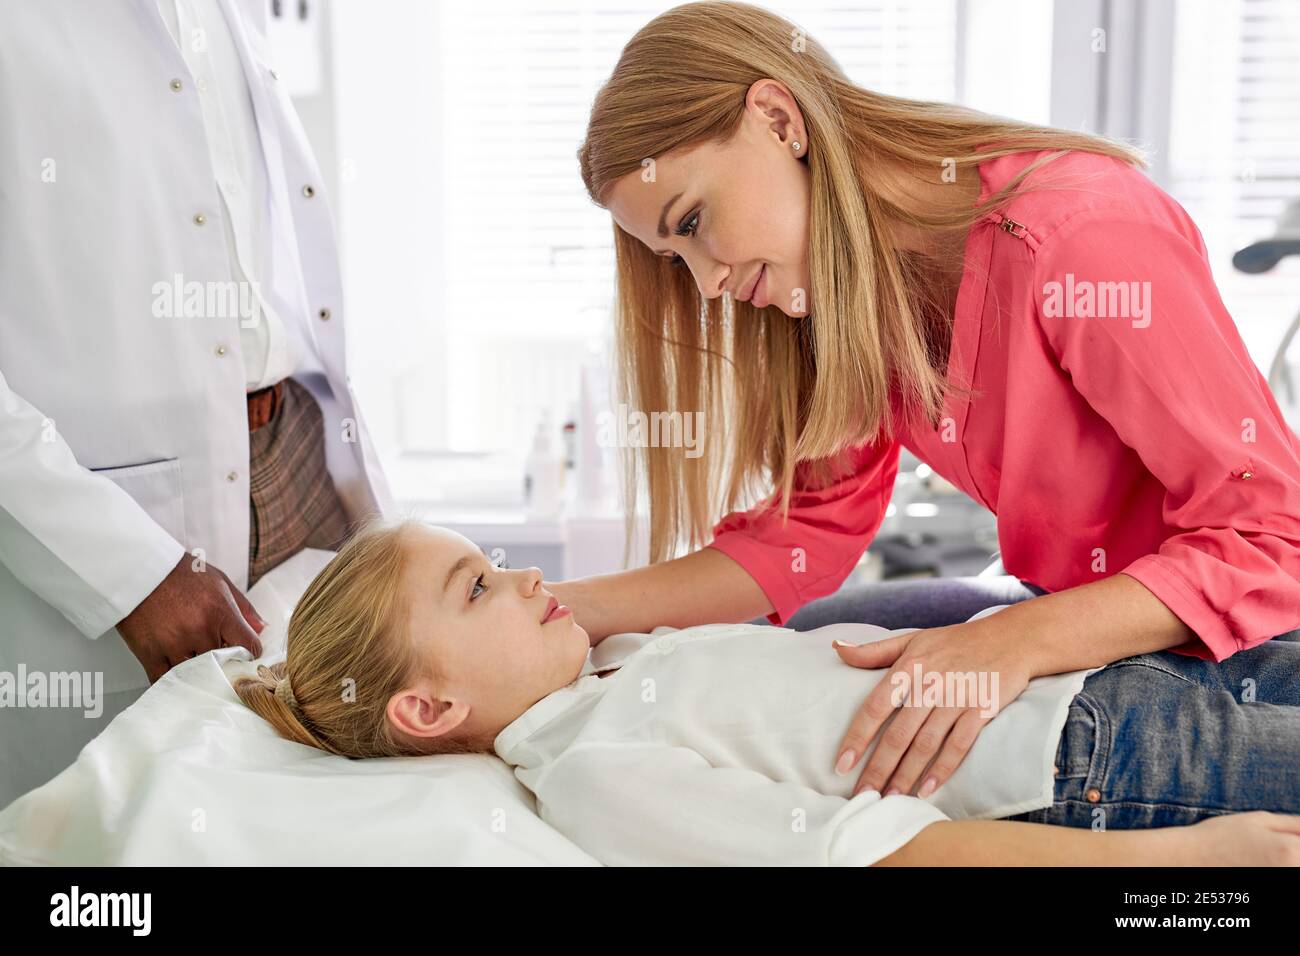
(1235, 147)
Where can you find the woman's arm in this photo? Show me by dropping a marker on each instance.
(703, 587)
(757, 565)
(1090, 626)
(1179, 388)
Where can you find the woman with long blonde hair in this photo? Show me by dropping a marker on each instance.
(828, 274)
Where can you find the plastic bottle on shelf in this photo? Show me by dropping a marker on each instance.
(591, 494)
(542, 471)
(570, 449)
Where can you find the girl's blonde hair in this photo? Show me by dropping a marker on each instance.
(781, 391)
(349, 650)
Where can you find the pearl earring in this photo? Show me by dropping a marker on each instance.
(795, 144)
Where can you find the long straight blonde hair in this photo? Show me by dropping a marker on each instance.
(782, 392)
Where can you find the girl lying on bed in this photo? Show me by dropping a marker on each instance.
(715, 744)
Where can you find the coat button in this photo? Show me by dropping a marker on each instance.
(667, 643)
(221, 350)
(325, 315)
(1093, 795)
(232, 476)
(199, 219)
(176, 86)
(309, 190)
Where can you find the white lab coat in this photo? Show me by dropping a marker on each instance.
(123, 436)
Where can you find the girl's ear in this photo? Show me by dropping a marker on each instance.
(418, 711)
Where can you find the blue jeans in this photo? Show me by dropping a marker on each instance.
(1163, 739)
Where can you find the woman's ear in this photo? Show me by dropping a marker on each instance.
(778, 113)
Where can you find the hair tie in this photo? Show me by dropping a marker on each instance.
(284, 693)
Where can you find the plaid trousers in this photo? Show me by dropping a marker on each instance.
(292, 500)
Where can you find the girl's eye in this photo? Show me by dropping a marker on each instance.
(497, 563)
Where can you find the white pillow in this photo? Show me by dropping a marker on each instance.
(188, 775)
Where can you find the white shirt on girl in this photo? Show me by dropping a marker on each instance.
(716, 745)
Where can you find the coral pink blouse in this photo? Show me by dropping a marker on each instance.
(1119, 425)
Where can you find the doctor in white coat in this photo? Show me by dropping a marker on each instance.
(149, 148)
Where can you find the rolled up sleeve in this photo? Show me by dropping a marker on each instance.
(828, 528)
(1174, 380)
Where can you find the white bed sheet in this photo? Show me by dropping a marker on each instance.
(188, 775)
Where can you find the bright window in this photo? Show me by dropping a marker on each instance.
(479, 274)
(1234, 151)
(527, 254)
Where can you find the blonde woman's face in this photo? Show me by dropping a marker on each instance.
(484, 627)
(736, 215)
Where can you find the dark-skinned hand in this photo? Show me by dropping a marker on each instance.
(194, 609)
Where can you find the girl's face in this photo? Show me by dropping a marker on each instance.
(732, 213)
(485, 628)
